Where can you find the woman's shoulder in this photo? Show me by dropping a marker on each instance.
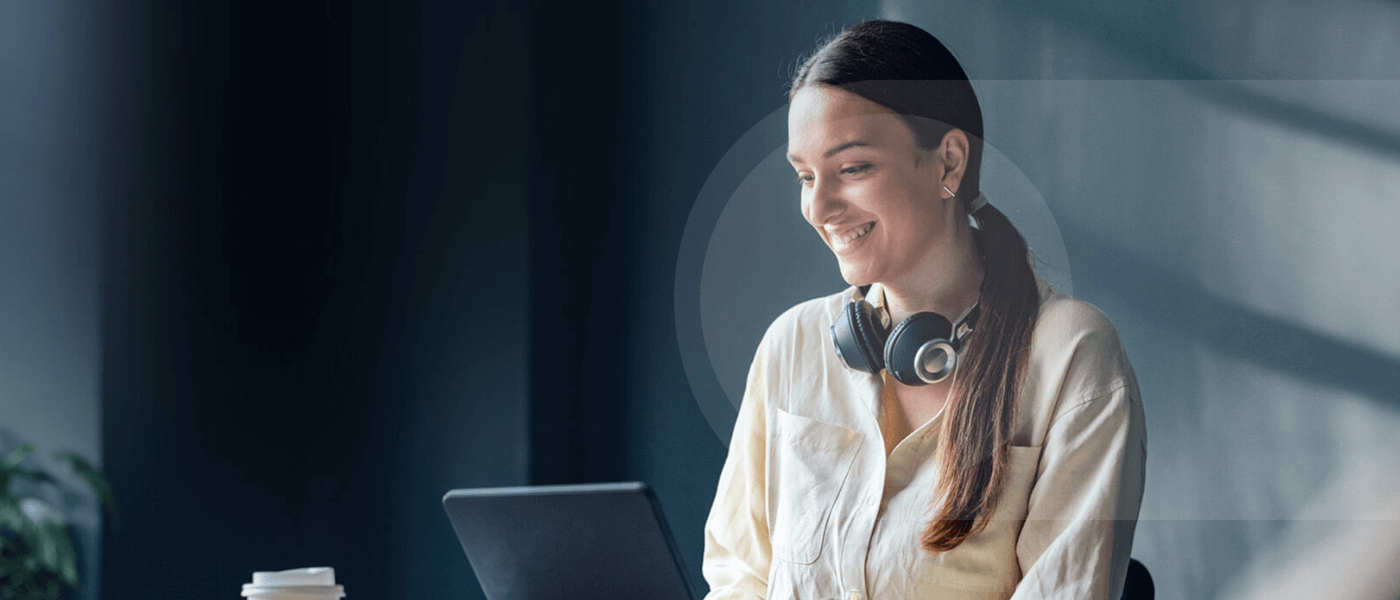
(819, 312)
(1078, 367)
(1076, 350)
(806, 324)
(1072, 319)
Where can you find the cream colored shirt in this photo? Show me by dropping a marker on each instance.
(809, 507)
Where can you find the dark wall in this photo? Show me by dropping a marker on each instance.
(317, 293)
(367, 253)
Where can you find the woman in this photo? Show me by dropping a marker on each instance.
(859, 468)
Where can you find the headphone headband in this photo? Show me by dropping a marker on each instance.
(965, 323)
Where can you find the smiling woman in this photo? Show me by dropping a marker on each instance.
(882, 449)
(872, 202)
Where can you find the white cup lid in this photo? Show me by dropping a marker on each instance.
(312, 580)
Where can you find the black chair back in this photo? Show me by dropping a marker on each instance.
(1139, 583)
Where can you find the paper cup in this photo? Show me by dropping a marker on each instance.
(315, 583)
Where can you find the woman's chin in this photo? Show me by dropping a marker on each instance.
(855, 276)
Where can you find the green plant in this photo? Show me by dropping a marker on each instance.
(37, 560)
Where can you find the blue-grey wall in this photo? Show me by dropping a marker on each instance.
(53, 156)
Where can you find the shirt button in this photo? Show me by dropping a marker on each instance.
(853, 595)
(873, 502)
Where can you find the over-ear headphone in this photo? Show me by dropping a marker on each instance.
(922, 349)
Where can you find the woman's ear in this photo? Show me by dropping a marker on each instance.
(952, 152)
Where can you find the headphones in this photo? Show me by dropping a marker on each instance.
(923, 349)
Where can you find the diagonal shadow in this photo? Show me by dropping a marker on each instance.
(1208, 85)
(1173, 301)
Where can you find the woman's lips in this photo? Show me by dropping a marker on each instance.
(847, 238)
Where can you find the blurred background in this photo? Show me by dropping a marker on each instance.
(289, 275)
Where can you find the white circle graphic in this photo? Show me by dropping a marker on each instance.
(747, 255)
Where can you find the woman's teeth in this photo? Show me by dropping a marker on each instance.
(853, 236)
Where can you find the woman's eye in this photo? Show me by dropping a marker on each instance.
(852, 170)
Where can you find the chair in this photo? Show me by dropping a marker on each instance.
(1139, 583)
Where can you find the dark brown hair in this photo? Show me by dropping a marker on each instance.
(908, 71)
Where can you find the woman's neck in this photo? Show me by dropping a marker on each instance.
(949, 285)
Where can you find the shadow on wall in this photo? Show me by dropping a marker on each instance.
(1344, 544)
(1340, 532)
(1169, 300)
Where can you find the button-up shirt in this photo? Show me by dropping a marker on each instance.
(810, 506)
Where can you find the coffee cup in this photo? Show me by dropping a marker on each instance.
(315, 583)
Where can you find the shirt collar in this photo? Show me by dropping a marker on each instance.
(876, 297)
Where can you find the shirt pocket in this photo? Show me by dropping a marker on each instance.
(807, 469)
(986, 563)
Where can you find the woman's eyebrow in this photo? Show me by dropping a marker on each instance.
(834, 150)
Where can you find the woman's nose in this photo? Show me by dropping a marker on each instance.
(823, 202)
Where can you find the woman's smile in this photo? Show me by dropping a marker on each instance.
(842, 241)
(867, 188)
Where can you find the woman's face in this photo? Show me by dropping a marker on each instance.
(873, 197)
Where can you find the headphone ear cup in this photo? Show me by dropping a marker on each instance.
(871, 334)
(858, 339)
(902, 349)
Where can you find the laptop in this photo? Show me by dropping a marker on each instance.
(605, 541)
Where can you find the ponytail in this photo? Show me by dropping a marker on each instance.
(973, 453)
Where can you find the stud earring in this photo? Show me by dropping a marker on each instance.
(950, 192)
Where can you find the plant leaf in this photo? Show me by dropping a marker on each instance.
(40, 556)
(94, 479)
(31, 474)
(18, 454)
(12, 518)
(54, 549)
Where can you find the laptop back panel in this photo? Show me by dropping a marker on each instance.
(576, 542)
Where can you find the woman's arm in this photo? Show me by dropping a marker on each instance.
(737, 550)
(1082, 511)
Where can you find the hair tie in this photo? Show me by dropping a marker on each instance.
(977, 203)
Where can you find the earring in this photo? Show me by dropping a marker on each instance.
(950, 192)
